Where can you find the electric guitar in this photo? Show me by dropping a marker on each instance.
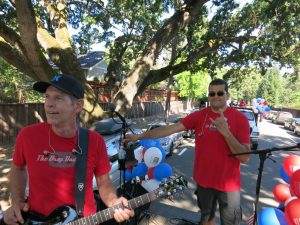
(66, 215)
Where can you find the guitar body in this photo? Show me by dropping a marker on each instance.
(61, 215)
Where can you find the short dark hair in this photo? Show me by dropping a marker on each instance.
(219, 82)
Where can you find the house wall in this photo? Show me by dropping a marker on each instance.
(97, 72)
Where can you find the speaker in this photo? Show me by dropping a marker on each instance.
(131, 191)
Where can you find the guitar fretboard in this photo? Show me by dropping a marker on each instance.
(108, 214)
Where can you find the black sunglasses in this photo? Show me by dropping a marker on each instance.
(219, 93)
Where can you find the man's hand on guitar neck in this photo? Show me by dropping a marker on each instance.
(13, 215)
(123, 213)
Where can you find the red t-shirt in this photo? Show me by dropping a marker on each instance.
(212, 166)
(52, 177)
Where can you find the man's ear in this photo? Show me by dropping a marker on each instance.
(79, 105)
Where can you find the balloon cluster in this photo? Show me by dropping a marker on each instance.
(261, 105)
(150, 162)
(287, 194)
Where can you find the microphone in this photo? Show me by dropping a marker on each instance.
(46, 153)
(74, 151)
(112, 110)
(122, 153)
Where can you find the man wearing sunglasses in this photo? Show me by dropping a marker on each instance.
(219, 131)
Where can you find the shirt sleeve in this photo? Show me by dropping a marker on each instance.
(190, 121)
(19, 159)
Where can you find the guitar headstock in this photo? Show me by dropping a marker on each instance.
(171, 186)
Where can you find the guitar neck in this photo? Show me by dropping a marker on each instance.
(108, 214)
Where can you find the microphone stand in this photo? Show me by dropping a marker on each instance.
(122, 152)
(263, 155)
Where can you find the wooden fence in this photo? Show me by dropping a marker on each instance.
(294, 112)
(15, 116)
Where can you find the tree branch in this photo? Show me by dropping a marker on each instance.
(10, 36)
(15, 58)
(163, 36)
(58, 18)
(161, 74)
(28, 31)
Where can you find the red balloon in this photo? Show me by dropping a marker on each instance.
(281, 192)
(295, 183)
(291, 163)
(150, 173)
(292, 212)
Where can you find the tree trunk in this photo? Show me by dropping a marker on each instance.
(125, 95)
(171, 79)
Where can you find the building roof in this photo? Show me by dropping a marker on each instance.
(90, 59)
(86, 61)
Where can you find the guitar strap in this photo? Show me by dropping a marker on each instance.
(80, 177)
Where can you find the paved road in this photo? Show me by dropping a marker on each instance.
(185, 207)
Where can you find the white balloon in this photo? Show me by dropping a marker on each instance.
(152, 157)
(138, 154)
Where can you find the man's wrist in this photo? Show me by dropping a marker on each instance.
(16, 199)
(113, 201)
(228, 135)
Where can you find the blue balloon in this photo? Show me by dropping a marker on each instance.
(163, 152)
(258, 100)
(147, 143)
(284, 175)
(161, 171)
(267, 109)
(271, 216)
(140, 170)
(128, 175)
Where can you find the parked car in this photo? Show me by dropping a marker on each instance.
(111, 130)
(254, 130)
(281, 116)
(170, 142)
(193, 110)
(293, 124)
(187, 133)
(269, 115)
(290, 123)
(297, 128)
(274, 115)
